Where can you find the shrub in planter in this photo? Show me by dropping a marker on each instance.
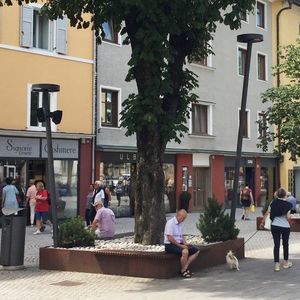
(215, 225)
(185, 198)
(73, 234)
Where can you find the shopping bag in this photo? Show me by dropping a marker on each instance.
(252, 208)
(268, 223)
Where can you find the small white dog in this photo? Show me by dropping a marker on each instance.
(232, 261)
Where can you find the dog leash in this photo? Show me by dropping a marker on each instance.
(247, 240)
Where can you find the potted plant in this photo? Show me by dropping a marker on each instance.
(185, 198)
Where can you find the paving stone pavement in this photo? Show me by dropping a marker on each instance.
(255, 280)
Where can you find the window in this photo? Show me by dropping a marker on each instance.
(246, 123)
(111, 35)
(260, 14)
(35, 101)
(261, 67)
(109, 108)
(37, 31)
(242, 53)
(244, 16)
(201, 119)
(262, 125)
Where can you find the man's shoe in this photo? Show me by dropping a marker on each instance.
(287, 264)
(277, 267)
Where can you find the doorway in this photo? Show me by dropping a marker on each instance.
(201, 187)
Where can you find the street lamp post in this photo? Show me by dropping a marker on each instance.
(249, 38)
(44, 115)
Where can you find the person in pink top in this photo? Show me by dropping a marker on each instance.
(30, 198)
(104, 222)
(41, 207)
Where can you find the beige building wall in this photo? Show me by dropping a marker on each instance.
(289, 24)
(21, 66)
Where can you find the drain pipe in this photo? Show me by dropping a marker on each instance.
(280, 160)
(94, 113)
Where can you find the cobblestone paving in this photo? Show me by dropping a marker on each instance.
(256, 280)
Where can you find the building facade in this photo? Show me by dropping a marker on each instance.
(34, 50)
(204, 161)
(286, 29)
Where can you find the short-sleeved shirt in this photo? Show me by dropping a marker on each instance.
(31, 193)
(106, 222)
(42, 205)
(175, 229)
(9, 196)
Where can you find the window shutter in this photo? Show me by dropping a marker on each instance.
(27, 26)
(61, 35)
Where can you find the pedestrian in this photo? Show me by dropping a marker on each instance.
(30, 198)
(41, 207)
(97, 189)
(119, 191)
(89, 200)
(292, 200)
(279, 211)
(246, 200)
(9, 195)
(176, 243)
(104, 222)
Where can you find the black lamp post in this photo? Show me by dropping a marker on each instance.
(44, 115)
(249, 38)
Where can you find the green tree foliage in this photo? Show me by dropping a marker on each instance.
(73, 234)
(215, 225)
(284, 111)
(163, 36)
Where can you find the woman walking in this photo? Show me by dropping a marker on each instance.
(279, 211)
(9, 195)
(41, 207)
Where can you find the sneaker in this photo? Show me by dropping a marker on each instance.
(277, 267)
(37, 232)
(287, 264)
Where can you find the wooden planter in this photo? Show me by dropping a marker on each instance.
(134, 263)
(294, 223)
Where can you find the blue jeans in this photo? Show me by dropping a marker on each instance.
(277, 233)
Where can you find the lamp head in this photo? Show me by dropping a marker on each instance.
(250, 38)
(56, 116)
(41, 114)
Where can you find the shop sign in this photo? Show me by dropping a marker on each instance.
(61, 149)
(19, 147)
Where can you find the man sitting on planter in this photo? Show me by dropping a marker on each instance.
(175, 243)
(104, 222)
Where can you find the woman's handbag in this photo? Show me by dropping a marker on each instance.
(268, 222)
(252, 208)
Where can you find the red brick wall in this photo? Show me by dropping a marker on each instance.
(217, 177)
(257, 180)
(183, 160)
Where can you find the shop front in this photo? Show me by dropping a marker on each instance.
(119, 169)
(25, 158)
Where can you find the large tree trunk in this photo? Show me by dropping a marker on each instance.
(149, 208)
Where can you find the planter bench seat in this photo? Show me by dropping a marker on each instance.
(159, 265)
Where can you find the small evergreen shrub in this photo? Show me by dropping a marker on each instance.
(73, 234)
(215, 225)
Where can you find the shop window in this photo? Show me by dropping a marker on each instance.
(111, 34)
(260, 15)
(261, 67)
(35, 101)
(246, 124)
(242, 53)
(109, 107)
(37, 31)
(201, 119)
